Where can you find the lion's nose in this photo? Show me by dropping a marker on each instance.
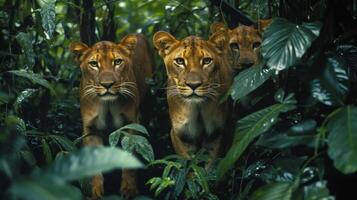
(107, 84)
(193, 84)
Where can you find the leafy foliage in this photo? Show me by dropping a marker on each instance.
(281, 146)
(284, 42)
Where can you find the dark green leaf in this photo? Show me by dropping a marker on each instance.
(317, 191)
(276, 140)
(342, 139)
(138, 144)
(247, 129)
(4, 97)
(136, 127)
(64, 142)
(332, 87)
(284, 42)
(46, 151)
(35, 78)
(44, 187)
(274, 191)
(48, 15)
(248, 80)
(14, 121)
(90, 161)
(201, 176)
(25, 41)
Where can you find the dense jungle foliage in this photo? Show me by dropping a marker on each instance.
(295, 128)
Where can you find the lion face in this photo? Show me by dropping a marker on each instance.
(244, 43)
(195, 67)
(106, 69)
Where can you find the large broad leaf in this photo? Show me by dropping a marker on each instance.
(348, 54)
(35, 78)
(247, 129)
(342, 139)
(90, 161)
(48, 15)
(274, 191)
(25, 41)
(284, 42)
(24, 96)
(332, 87)
(44, 187)
(138, 144)
(248, 80)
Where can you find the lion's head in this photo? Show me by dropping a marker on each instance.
(197, 69)
(106, 69)
(244, 43)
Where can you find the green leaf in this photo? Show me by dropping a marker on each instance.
(201, 176)
(138, 144)
(274, 191)
(284, 42)
(64, 142)
(4, 97)
(136, 127)
(342, 139)
(23, 96)
(90, 161)
(332, 87)
(44, 187)
(317, 191)
(248, 80)
(247, 129)
(115, 136)
(46, 151)
(25, 41)
(14, 121)
(33, 77)
(48, 15)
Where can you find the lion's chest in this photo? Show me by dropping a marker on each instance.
(108, 118)
(194, 124)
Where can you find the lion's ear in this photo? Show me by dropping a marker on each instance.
(78, 48)
(263, 24)
(217, 26)
(129, 42)
(163, 41)
(219, 39)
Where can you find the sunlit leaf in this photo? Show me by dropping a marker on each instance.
(247, 129)
(342, 139)
(48, 15)
(248, 80)
(44, 187)
(33, 77)
(284, 42)
(90, 161)
(23, 96)
(138, 144)
(332, 87)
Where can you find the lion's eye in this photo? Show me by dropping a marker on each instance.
(234, 46)
(93, 64)
(206, 61)
(118, 61)
(180, 61)
(256, 45)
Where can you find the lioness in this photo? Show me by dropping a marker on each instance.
(244, 43)
(198, 75)
(111, 88)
